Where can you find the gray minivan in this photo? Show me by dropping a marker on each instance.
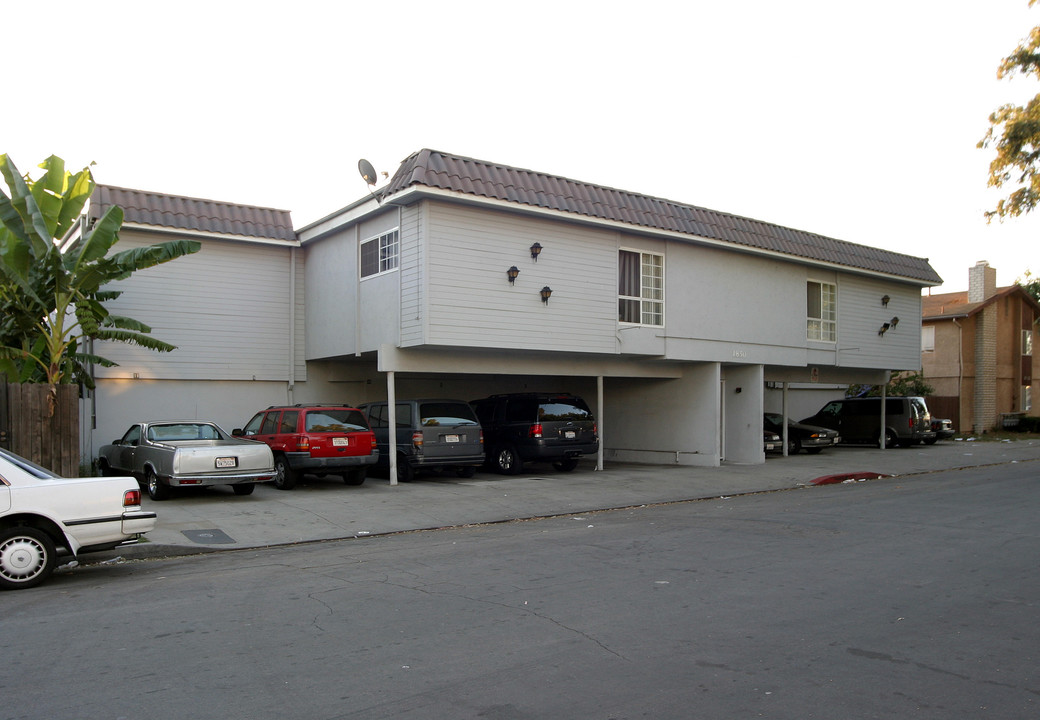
(858, 420)
(431, 433)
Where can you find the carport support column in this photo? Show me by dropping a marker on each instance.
(884, 420)
(599, 413)
(391, 406)
(784, 413)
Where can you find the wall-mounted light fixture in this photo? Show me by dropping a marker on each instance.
(884, 328)
(884, 300)
(545, 293)
(536, 249)
(893, 322)
(511, 273)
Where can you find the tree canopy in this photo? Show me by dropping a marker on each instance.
(1015, 134)
(55, 270)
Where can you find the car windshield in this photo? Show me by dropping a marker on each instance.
(432, 414)
(184, 431)
(336, 421)
(28, 466)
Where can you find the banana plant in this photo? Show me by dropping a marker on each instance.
(54, 273)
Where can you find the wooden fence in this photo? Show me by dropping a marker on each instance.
(28, 428)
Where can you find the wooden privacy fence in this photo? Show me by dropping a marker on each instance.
(28, 428)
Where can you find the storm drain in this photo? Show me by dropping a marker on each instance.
(208, 537)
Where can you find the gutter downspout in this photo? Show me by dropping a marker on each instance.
(960, 373)
(292, 327)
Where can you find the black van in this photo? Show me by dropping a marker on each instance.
(858, 420)
(530, 427)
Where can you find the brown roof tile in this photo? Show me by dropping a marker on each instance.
(435, 169)
(185, 213)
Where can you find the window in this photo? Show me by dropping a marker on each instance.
(379, 254)
(821, 312)
(1027, 398)
(928, 339)
(1027, 342)
(640, 288)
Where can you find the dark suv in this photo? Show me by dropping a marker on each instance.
(536, 427)
(318, 439)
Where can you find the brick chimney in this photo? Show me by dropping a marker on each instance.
(982, 282)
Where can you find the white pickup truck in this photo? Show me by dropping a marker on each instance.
(42, 514)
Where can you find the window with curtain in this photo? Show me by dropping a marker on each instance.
(640, 288)
(821, 311)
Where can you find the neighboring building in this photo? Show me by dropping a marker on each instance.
(671, 320)
(977, 352)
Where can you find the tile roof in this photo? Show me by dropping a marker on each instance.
(185, 213)
(955, 305)
(435, 169)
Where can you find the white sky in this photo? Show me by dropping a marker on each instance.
(854, 120)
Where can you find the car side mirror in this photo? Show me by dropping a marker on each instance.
(237, 432)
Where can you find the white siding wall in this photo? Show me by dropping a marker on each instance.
(226, 308)
(860, 315)
(471, 302)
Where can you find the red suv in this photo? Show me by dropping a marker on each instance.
(316, 439)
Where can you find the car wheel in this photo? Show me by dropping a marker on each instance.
(156, 490)
(466, 472)
(931, 441)
(793, 445)
(284, 476)
(405, 472)
(891, 440)
(355, 476)
(103, 469)
(26, 557)
(507, 461)
(243, 488)
(565, 465)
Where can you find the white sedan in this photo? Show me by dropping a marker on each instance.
(42, 514)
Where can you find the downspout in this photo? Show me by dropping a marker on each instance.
(960, 373)
(292, 327)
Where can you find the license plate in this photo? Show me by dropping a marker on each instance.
(451, 438)
(569, 434)
(340, 441)
(227, 462)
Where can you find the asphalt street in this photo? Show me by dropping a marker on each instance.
(911, 596)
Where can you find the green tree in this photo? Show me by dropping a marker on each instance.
(1015, 133)
(908, 384)
(1030, 284)
(53, 268)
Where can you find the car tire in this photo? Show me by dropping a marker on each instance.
(27, 557)
(103, 469)
(405, 472)
(565, 465)
(243, 488)
(793, 445)
(284, 476)
(156, 489)
(507, 461)
(466, 472)
(355, 476)
(931, 441)
(890, 440)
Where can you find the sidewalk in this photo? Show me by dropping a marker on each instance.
(206, 520)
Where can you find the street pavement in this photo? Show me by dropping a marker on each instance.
(214, 519)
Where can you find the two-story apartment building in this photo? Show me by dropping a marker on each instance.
(977, 351)
(463, 278)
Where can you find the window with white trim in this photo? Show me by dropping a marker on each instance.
(928, 338)
(1027, 398)
(640, 288)
(379, 254)
(821, 310)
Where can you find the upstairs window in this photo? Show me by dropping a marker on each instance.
(379, 254)
(640, 288)
(928, 338)
(1027, 342)
(821, 311)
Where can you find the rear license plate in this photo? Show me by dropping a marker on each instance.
(451, 438)
(340, 441)
(569, 434)
(227, 462)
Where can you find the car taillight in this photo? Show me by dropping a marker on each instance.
(417, 439)
(373, 442)
(595, 428)
(303, 443)
(535, 431)
(481, 437)
(131, 498)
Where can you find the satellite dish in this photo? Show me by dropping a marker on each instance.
(368, 173)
